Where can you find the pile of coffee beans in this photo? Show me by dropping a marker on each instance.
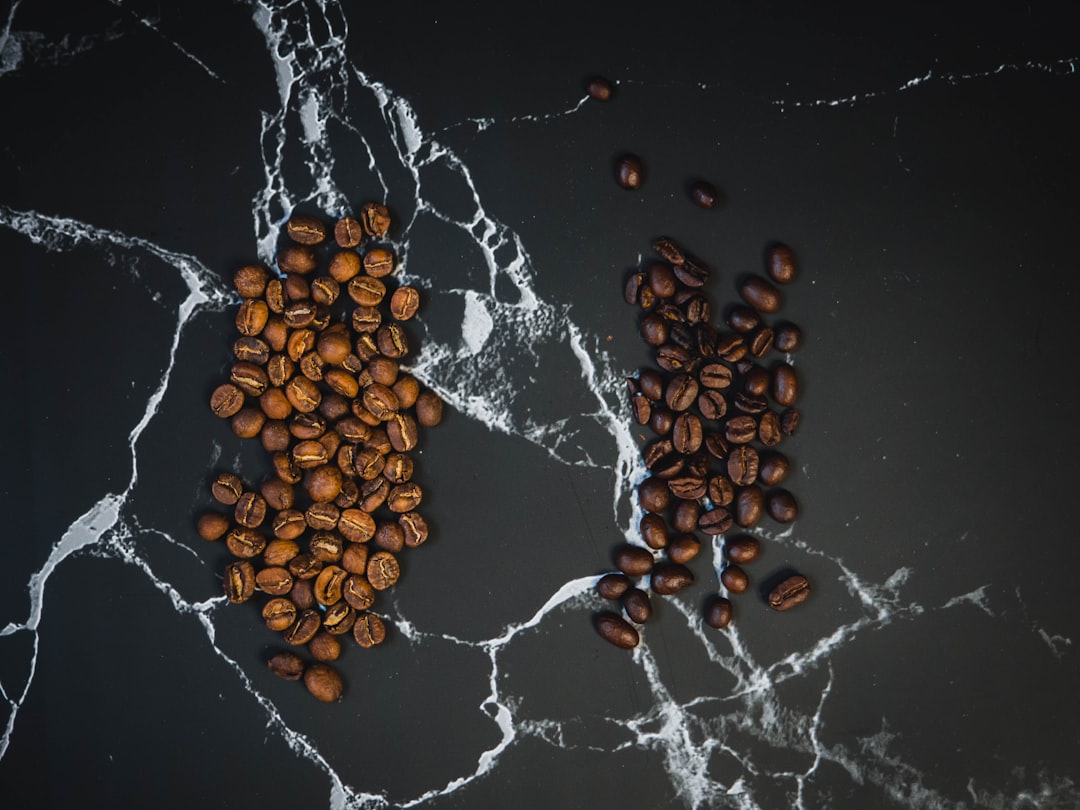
(719, 403)
(317, 378)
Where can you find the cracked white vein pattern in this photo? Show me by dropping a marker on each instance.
(751, 715)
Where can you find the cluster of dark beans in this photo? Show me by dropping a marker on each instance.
(719, 403)
(317, 379)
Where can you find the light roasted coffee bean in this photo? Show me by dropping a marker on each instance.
(286, 665)
(323, 682)
(239, 581)
(369, 630)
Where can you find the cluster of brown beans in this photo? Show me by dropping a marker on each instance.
(317, 378)
(718, 413)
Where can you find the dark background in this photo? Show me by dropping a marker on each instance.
(920, 163)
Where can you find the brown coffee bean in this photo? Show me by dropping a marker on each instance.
(326, 546)
(782, 506)
(305, 230)
(375, 218)
(366, 291)
(661, 279)
(780, 263)
(687, 433)
(742, 465)
(378, 262)
(357, 591)
(788, 338)
(703, 194)
(288, 524)
(302, 594)
(634, 561)
(718, 612)
(688, 487)
(616, 630)
(773, 468)
(338, 618)
(373, 494)
(278, 552)
(414, 527)
(404, 303)
(324, 647)
(212, 526)
(250, 280)
(670, 577)
(712, 404)
(749, 505)
(287, 665)
(681, 392)
(348, 232)
(304, 394)
(743, 319)
(322, 517)
(629, 172)
(227, 400)
(251, 350)
(715, 375)
(692, 273)
(305, 627)
(760, 341)
(245, 543)
(760, 294)
(661, 421)
(654, 495)
(600, 89)
(785, 385)
(250, 510)
(742, 549)
(369, 630)
(275, 405)
(721, 490)
(642, 410)
(731, 348)
(251, 316)
(734, 579)
(653, 530)
(248, 422)
(612, 586)
(715, 521)
(791, 592)
(354, 559)
(769, 429)
(299, 259)
(637, 605)
(389, 537)
(344, 267)
(328, 584)
(323, 484)
(684, 548)
(239, 581)
(227, 488)
(404, 497)
(276, 581)
(323, 682)
(654, 329)
(279, 613)
(740, 429)
(789, 421)
(382, 570)
(274, 435)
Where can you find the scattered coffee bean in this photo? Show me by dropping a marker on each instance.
(600, 89)
(612, 586)
(742, 549)
(323, 682)
(782, 506)
(734, 579)
(616, 630)
(637, 605)
(780, 264)
(718, 612)
(760, 294)
(629, 172)
(703, 194)
(791, 592)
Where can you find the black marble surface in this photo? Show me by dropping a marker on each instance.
(920, 163)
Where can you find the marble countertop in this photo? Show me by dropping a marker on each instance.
(921, 165)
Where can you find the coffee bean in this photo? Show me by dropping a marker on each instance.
(661, 279)
(742, 549)
(769, 429)
(348, 232)
(716, 446)
(688, 487)
(692, 273)
(742, 465)
(245, 543)
(715, 521)
(788, 337)
(369, 630)
(791, 592)
(227, 400)
(654, 329)
(298, 259)
(718, 612)
(749, 504)
(661, 421)
(734, 579)
(780, 264)
(429, 408)
(339, 618)
(227, 488)
(684, 547)
(250, 510)
(328, 584)
(721, 490)
(305, 230)
(612, 586)
(366, 291)
(712, 404)
(760, 341)
(760, 294)
(404, 497)
(251, 350)
(323, 682)
(715, 375)
(668, 578)
(382, 570)
(375, 218)
(773, 468)
(276, 581)
(653, 530)
(212, 526)
(740, 429)
(703, 194)
(687, 433)
(637, 605)
(279, 613)
(239, 581)
(404, 303)
(414, 527)
(789, 421)
(743, 319)
(287, 665)
(324, 647)
(629, 172)
(782, 506)
(356, 590)
(654, 495)
(302, 594)
(600, 89)
(642, 409)
(616, 630)
(785, 384)
(634, 561)
(749, 403)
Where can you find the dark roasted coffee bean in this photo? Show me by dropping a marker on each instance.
(287, 665)
(637, 605)
(616, 630)
(654, 495)
(612, 586)
(703, 194)
(780, 263)
(788, 337)
(755, 380)
(715, 521)
(629, 172)
(712, 404)
(742, 465)
(785, 385)
(600, 89)
(668, 578)
(760, 341)
(731, 348)
(642, 409)
(688, 487)
(718, 612)
(681, 392)
(760, 294)
(769, 431)
(634, 561)
(742, 549)
(369, 630)
(655, 451)
(669, 466)
(791, 592)
(654, 329)
(716, 446)
(698, 310)
(671, 357)
(382, 570)
(734, 579)
(789, 421)
(706, 337)
(715, 375)
(740, 429)
(692, 272)
(687, 433)
(391, 340)
(653, 530)
(661, 421)
(373, 494)
(661, 279)
(743, 319)
(773, 468)
(721, 490)
(684, 547)
(749, 504)
(669, 250)
(651, 383)
(685, 516)
(681, 335)
(632, 288)
(749, 403)
(782, 506)
(239, 581)
(323, 682)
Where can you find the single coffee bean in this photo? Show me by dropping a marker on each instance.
(344, 267)
(742, 465)
(743, 319)
(250, 280)
(324, 647)
(698, 310)
(740, 429)
(279, 369)
(791, 592)
(339, 618)
(734, 579)
(305, 627)
(304, 394)
(654, 495)
(305, 566)
(348, 232)
(760, 341)
(287, 665)
(299, 259)
(661, 421)
(718, 612)
(327, 546)
(276, 581)
(274, 435)
(357, 591)
(715, 521)
(687, 433)
(279, 613)
(404, 497)
(749, 505)
(227, 400)
(373, 494)
(366, 291)
(681, 335)
(654, 329)
(788, 338)
(429, 408)
(248, 422)
(414, 527)
(276, 406)
(681, 392)
(251, 350)
(322, 517)
(692, 272)
(212, 526)
(785, 385)
(749, 403)
(239, 581)
(323, 682)
(706, 337)
(782, 506)
(634, 561)
(721, 490)
(354, 559)
(600, 89)
(769, 429)
(369, 630)
(684, 516)
(715, 375)
(688, 487)
(789, 421)
(755, 380)
(632, 288)
(716, 446)
(612, 586)
(712, 404)
(382, 570)
(616, 630)
(288, 524)
(227, 488)
(653, 530)
(252, 316)
(629, 172)
(302, 594)
(780, 263)
(389, 537)
(703, 194)
(250, 510)
(760, 294)
(404, 303)
(642, 410)
(375, 217)
(305, 230)
(278, 552)
(742, 549)
(328, 584)
(773, 468)
(670, 577)
(245, 543)
(651, 383)
(325, 290)
(637, 605)
(683, 548)
(669, 250)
